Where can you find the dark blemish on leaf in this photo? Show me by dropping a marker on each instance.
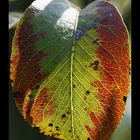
(77, 137)
(20, 106)
(85, 108)
(69, 92)
(50, 124)
(96, 41)
(45, 96)
(41, 104)
(96, 62)
(37, 87)
(72, 74)
(30, 96)
(69, 131)
(57, 127)
(92, 64)
(63, 122)
(85, 98)
(64, 116)
(67, 112)
(37, 128)
(74, 86)
(95, 67)
(50, 131)
(124, 98)
(55, 134)
(126, 44)
(88, 138)
(87, 92)
(11, 81)
(43, 133)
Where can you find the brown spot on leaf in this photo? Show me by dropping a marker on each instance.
(96, 62)
(96, 41)
(30, 96)
(69, 131)
(74, 86)
(37, 87)
(50, 124)
(85, 98)
(124, 98)
(87, 92)
(91, 64)
(77, 137)
(57, 127)
(95, 67)
(88, 138)
(37, 128)
(68, 112)
(64, 116)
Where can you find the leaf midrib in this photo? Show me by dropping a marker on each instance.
(71, 74)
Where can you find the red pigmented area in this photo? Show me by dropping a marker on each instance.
(25, 63)
(43, 106)
(114, 57)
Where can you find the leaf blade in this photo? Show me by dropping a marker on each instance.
(59, 73)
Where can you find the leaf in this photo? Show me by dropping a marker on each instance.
(14, 18)
(70, 69)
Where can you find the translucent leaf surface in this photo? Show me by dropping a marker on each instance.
(70, 69)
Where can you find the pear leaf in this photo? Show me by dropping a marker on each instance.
(70, 69)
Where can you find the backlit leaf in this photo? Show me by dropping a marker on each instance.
(70, 69)
(14, 17)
